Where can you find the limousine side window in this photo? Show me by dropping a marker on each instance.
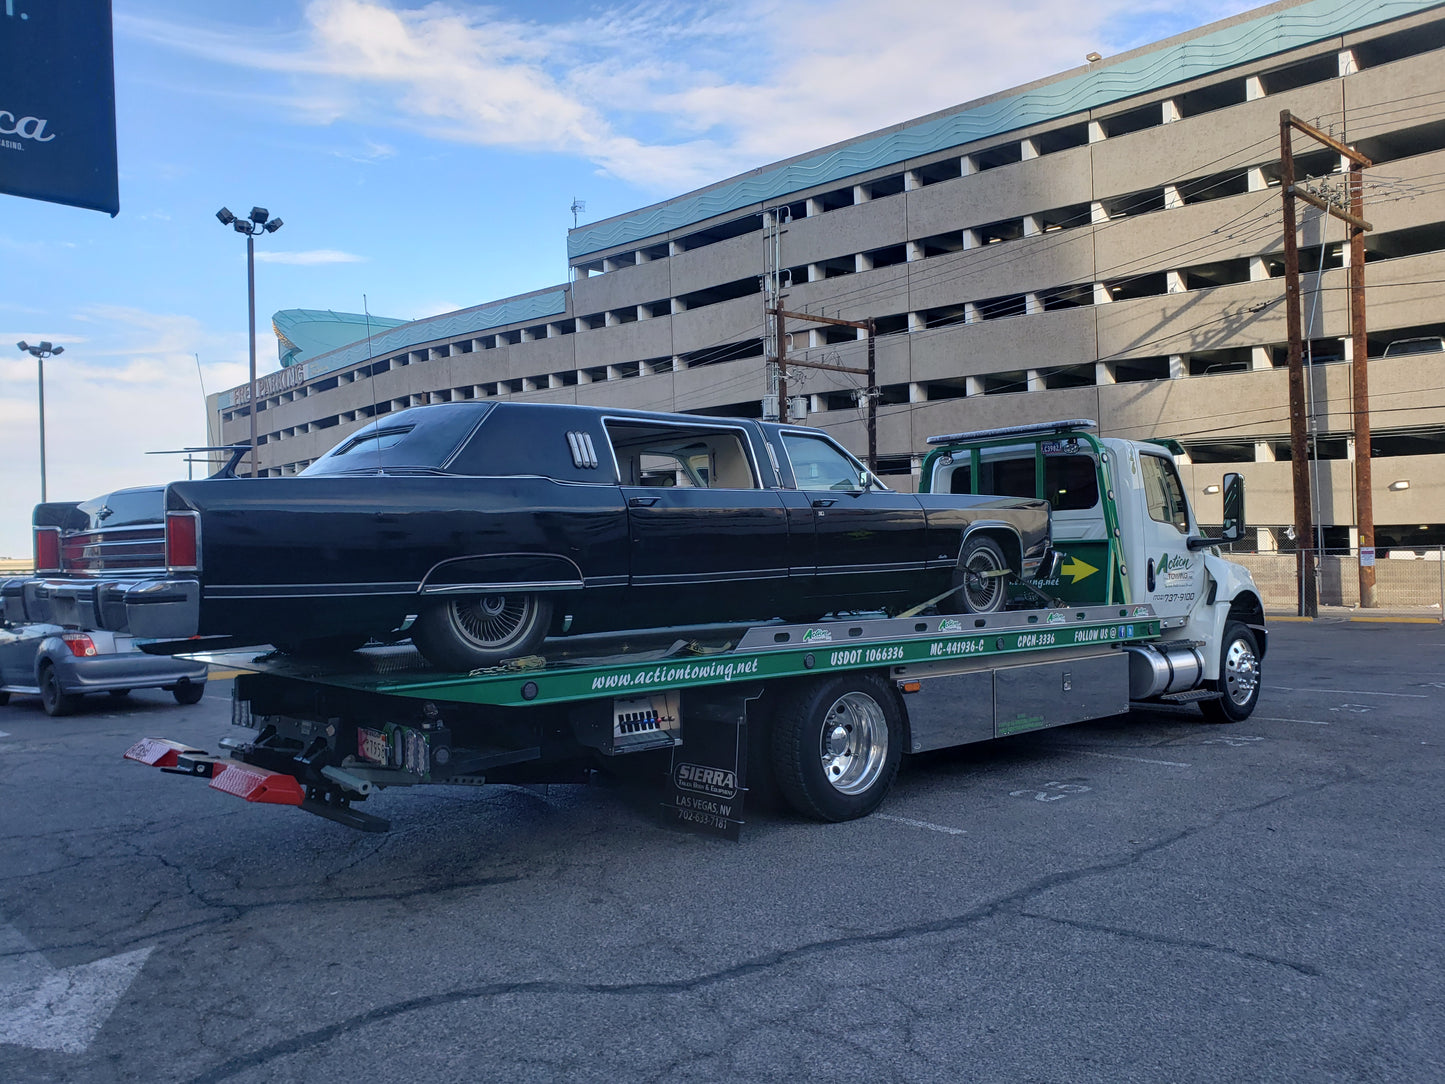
(819, 464)
(680, 456)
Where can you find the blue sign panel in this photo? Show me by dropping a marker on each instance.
(57, 103)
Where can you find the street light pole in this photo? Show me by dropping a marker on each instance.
(260, 220)
(40, 351)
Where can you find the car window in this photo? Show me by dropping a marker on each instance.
(820, 464)
(1071, 482)
(658, 455)
(1163, 492)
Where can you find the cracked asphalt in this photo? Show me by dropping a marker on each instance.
(1144, 898)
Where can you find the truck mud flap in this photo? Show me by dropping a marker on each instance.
(706, 780)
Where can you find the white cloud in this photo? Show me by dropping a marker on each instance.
(104, 409)
(309, 258)
(673, 93)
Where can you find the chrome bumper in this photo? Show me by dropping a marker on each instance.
(149, 609)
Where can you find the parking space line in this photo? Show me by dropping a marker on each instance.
(921, 824)
(1348, 692)
(1137, 760)
(1281, 719)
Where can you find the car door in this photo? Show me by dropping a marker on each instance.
(868, 543)
(703, 530)
(1173, 574)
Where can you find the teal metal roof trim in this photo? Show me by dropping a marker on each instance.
(1226, 48)
(449, 325)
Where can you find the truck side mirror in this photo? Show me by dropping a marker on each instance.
(1233, 507)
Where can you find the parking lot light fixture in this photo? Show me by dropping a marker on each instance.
(259, 222)
(40, 351)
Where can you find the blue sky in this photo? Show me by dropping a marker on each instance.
(426, 155)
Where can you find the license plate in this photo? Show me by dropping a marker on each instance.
(371, 745)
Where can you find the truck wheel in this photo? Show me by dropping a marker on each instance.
(1238, 682)
(837, 743)
(980, 592)
(467, 633)
(189, 692)
(53, 700)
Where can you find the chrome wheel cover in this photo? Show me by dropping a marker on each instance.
(982, 595)
(853, 745)
(1241, 673)
(492, 621)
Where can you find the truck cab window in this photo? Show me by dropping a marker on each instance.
(1163, 492)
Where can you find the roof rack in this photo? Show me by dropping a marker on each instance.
(1016, 431)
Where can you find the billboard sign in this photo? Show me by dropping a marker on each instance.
(57, 103)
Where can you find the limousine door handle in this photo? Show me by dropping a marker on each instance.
(642, 502)
(825, 502)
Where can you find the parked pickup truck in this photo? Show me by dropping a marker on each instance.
(492, 524)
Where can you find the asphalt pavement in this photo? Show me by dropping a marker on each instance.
(1143, 898)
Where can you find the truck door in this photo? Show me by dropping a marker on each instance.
(1164, 571)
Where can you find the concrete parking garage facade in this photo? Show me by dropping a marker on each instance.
(1106, 244)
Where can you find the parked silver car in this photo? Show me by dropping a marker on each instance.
(61, 665)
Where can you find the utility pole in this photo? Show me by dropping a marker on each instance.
(775, 345)
(1299, 468)
(871, 372)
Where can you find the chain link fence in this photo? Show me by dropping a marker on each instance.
(1404, 579)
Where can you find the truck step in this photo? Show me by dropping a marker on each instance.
(1192, 696)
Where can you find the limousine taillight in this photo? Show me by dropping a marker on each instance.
(183, 549)
(47, 549)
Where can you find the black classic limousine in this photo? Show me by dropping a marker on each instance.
(495, 524)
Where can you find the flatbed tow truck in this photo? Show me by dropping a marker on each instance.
(826, 708)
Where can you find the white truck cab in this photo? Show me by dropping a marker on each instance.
(1128, 535)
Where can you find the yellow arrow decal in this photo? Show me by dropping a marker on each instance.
(1077, 570)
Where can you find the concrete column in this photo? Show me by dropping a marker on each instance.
(970, 239)
(608, 264)
(815, 273)
(916, 322)
(1104, 372)
(972, 385)
(970, 313)
(815, 405)
(1101, 294)
(1259, 359)
(525, 335)
(1253, 88)
(861, 194)
(815, 338)
(554, 380)
(642, 257)
(528, 384)
(1096, 132)
(1263, 452)
(1028, 149)
(675, 249)
(1032, 304)
(1256, 180)
(644, 313)
(1258, 269)
(1169, 111)
(1348, 64)
(1031, 226)
(911, 182)
(678, 364)
(1097, 212)
(814, 208)
(862, 261)
(614, 373)
(913, 252)
(578, 325)
(581, 272)
(1172, 198)
(677, 305)
(917, 393)
(1174, 282)
(644, 369)
(1178, 366)
(1036, 380)
(583, 376)
(967, 167)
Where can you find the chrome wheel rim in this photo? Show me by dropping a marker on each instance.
(492, 621)
(1241, 673)
(853, 746)
(982, 592)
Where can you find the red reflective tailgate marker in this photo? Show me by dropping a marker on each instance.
(257, 784)
(159, 752)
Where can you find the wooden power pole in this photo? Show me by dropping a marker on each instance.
(871, 372)
(1299, 466)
